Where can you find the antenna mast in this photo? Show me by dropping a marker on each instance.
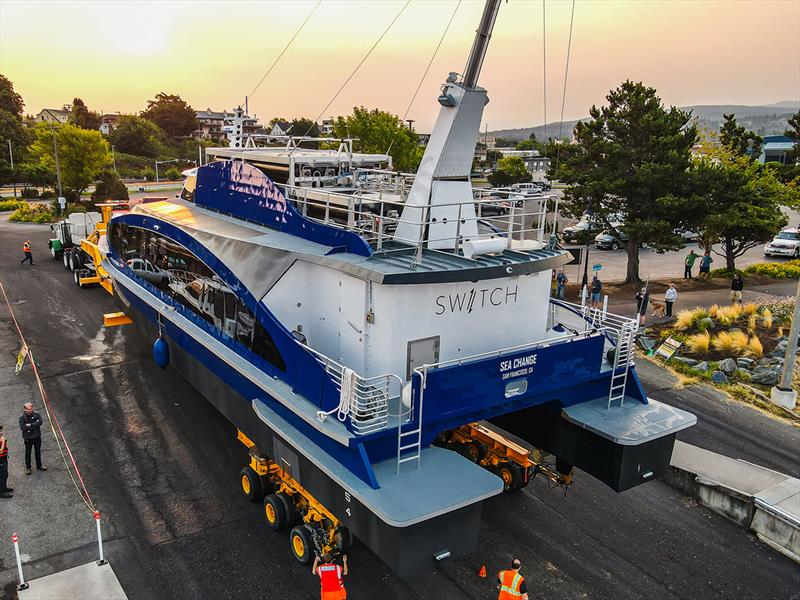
(481, 43)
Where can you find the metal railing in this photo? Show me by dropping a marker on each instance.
(377, 215)
(365, 403)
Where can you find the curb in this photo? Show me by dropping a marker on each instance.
(766, 512)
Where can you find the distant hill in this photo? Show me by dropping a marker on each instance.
(764, 120)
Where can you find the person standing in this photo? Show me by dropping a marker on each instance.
(331, 577)
(30, 423)
(705, 266)
(737, 285)
(561, 284)
(642, 300)
(511, 584)
(688, 263)
(5, 491)
(596, 288)
(26, 248)
(669, 298)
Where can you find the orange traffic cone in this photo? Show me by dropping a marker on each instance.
(482, 572)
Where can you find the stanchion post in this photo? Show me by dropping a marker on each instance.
(102, 560)
(22, 585)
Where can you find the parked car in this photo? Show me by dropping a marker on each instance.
(786, 243)
(606, 241)
(580, 231)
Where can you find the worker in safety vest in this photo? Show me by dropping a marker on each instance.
(26, 248)
(331, 577)
(511, 584)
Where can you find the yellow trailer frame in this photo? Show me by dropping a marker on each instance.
(315, 519)
(91, 246)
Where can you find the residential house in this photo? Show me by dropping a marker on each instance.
(109, 123)
(774, 148)
(282, 128)
(210, 124)
(54, 115)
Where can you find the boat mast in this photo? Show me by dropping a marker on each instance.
(440, 209)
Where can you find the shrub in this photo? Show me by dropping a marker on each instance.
(731, 342)
(173, 174)
(750, 308)
(109, 187)
(688, 318)
(752, 323)
(754, 347)
(32, 213)
(787, 270)
(698, 343)
(705, 323)
(781, 308)
(726, 315)
(766, 318)
(29, 192)
(6, 205)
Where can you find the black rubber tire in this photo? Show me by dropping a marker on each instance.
(76, 277)
(511, 474)
(471, 451)
(289, 508)
(65, 259)
(344, 538)
(274, 513)
(79, 259)
(251, 484)
(300, 542)
(615, 245)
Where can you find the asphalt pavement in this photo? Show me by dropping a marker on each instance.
(162, 467)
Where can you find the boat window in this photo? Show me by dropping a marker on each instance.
(192, 283)
(189, 185)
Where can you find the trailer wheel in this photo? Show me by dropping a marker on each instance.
(76, 276)
(79, 259)
(65, 258)
(53, 252)
(274, 512)
(251, 484)
(511, 474)
(343, 538)
(289, 508)
(471, 451)
(300, 541)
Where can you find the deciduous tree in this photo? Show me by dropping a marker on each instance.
(631, 158)
(109, 187)
(172, 114)
(83, 117)
(736, 202)
(136, 135)
(510, 170)
(10, 101)
(82, 154)
(378, 131)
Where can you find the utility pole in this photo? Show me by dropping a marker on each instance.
(61, 200)
(156, 172)
(114, 159)
(11, 159)
(784, 394)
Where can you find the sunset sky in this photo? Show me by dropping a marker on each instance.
(117, 54)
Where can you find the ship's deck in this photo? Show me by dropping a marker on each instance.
(445, 481)
(231, 239)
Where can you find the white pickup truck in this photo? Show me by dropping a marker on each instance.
(786, 243)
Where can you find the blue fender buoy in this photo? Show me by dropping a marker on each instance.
(161, 352)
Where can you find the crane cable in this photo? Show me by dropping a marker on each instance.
(544, 66)
(51, 417)
(425, 74)
(285, 48)
(564, 94)
(358, 66)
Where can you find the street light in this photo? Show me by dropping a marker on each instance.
(784, 394)
(113, 158)
(11, 160)
(163, 162)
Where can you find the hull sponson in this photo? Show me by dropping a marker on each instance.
(406, 550)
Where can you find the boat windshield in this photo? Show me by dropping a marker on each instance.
(189, 185)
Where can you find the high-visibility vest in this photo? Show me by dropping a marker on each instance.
(4, 450)
(330, 577)
(26, 247)
(510, 582)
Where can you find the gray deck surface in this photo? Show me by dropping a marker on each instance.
(87, 582)
(630, 424)
(443, 482)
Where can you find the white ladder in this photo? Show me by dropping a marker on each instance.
(622, 356)
(411, 450)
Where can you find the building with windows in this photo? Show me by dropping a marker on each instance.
(54, 115)
(774, 148)
(210, 125)
(109, 123)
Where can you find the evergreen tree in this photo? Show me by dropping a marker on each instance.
(83, 117)
(738, 139)
(172, 114)
(631, 159)
(109, 187)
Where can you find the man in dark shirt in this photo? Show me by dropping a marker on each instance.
(737, 285)
(30, 423)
